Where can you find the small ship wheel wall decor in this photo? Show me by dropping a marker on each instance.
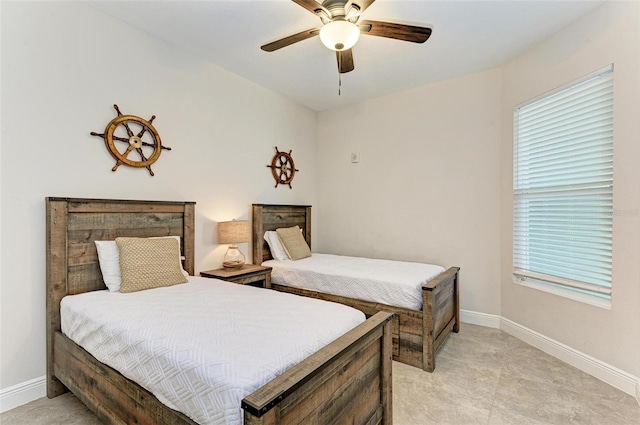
(283, 168)
(121, 140)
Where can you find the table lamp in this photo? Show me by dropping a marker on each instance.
(232, 233)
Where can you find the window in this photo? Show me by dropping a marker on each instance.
(562, 188)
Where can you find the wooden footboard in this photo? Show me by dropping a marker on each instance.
(417, 334)
(348, 381)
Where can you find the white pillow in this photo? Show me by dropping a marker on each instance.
(275, 246)
(109, 258)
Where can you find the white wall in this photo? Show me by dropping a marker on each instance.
(63, 65)
(427, 187)
(611, 34)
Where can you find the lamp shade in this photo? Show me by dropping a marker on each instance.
(232, 232)
(339, 35)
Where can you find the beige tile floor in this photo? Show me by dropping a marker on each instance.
(482, 376)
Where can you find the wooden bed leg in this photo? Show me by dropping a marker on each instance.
(428, 339)
(55, 387)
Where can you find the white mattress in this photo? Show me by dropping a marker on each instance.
(201, 347)
(395, 283)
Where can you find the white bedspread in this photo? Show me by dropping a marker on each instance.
(395, 283)
(201, 347)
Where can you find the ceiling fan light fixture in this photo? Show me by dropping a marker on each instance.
(339, 35)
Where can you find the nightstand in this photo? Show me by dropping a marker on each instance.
(248, 274)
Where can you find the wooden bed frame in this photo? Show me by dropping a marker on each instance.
(417, 334)
(348, 381)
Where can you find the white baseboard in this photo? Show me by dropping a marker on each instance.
(610, 374)
(481, 319)
(22, 393)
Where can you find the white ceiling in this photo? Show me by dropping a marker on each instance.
(468, 36)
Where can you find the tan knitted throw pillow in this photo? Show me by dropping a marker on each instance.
(149, 263)
(294, 242)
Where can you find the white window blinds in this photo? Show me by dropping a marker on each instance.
(563, 184)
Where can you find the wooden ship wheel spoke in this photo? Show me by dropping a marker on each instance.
(283, 168)
(132, 140)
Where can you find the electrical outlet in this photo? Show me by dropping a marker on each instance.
(355, 157)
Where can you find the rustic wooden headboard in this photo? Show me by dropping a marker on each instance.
(72, 260)
(271, 217)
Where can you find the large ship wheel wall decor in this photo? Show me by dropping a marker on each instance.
(121, 141)
(283, 168)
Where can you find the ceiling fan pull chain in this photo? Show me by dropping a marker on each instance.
(339, 83)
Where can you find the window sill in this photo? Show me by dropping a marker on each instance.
(565, 293)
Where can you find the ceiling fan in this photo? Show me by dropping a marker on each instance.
(341, 29)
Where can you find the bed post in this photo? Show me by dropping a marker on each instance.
(188, 237)
(385, 374)
(57, 282)
(258, 230)
(456, 301)
(307, 225)
(428, 337)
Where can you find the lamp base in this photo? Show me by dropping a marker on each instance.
(237, 264)
(233, 259)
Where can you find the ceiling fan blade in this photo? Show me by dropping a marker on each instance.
(345, 61)
(397, 31)
(312, 6)
(284, 42)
